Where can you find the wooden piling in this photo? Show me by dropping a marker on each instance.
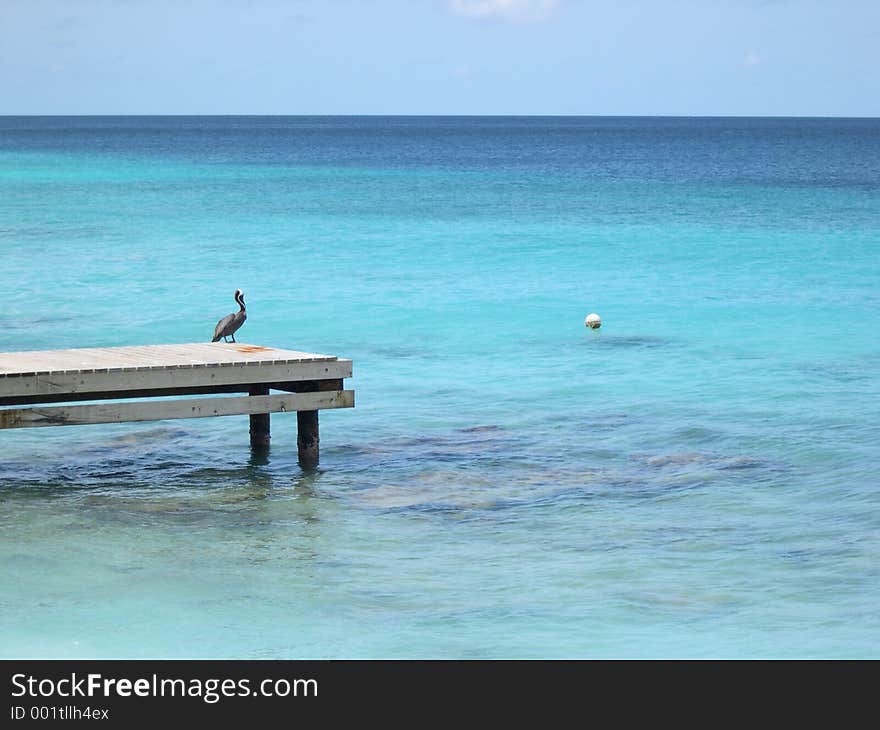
(307, 438)
(260, 424)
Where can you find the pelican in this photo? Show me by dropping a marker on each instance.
(227, 326)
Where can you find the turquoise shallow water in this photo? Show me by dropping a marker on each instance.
(698, 478)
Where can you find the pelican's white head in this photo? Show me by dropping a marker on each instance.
(239, 297)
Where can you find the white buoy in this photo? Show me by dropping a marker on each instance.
(593, 321)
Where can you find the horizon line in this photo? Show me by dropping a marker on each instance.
(469, 116)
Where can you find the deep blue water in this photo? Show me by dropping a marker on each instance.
(697, 478)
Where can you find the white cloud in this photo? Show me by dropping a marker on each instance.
(752, 59)
(518, 11)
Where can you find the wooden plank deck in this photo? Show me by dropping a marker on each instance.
(120, 374)
(149, 357)
(40, 374)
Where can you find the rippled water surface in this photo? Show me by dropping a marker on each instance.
(697, 478)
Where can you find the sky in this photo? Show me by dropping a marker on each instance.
(531, 57)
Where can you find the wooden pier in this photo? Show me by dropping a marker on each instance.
(37, 388)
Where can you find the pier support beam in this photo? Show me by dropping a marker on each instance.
(307, 438)
(260, 428)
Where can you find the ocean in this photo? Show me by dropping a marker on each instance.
(697, 478)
